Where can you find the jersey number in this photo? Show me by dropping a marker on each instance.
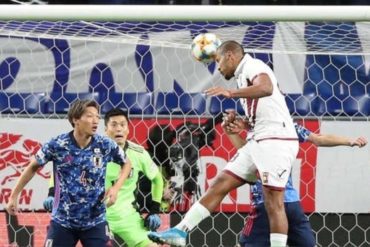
(82, 178)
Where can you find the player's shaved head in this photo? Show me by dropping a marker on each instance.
(232, 46)
(228, 56)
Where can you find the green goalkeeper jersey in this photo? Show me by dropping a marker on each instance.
(140, 162)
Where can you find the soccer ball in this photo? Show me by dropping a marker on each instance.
(204, 46)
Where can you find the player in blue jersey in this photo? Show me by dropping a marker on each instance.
(256, 231)
(79, 161)
(123, 217)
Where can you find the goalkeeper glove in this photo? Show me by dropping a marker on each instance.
(152, 220)
(48, 203)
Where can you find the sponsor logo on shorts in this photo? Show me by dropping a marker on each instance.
(265, 177)
(281, 173)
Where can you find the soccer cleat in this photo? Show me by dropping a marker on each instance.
(172, 236)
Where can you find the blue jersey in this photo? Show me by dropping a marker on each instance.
(302, 132)
(79, 178)
(290, 194)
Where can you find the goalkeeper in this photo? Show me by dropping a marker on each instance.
(123, 217)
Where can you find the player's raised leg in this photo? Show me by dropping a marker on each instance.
(237, 172)
(223, 184)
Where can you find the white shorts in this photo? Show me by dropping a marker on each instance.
(269, 160)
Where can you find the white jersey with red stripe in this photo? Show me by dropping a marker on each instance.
(269, 116)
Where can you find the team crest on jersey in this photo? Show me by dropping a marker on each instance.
(97, 161)
(97, 158)
(265, 177)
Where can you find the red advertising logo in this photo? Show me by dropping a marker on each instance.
(15, 154)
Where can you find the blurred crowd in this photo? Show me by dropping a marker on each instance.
(198, 2)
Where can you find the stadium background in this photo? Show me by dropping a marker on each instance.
(162, 84)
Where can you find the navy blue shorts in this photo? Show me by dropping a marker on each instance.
(59, 236)
(256, 232)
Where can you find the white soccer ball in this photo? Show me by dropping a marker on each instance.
(204, 46)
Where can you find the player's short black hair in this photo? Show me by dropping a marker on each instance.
(115, 112)
(231, 45)
(78, 108)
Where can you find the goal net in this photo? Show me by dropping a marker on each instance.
(141, 62)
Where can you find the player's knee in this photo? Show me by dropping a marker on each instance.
(274, 207)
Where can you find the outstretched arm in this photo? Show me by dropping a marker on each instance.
(262, 87)
(327, 140)
(26, 176)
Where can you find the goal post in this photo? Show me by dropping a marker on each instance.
(184, 13)
(138, 58)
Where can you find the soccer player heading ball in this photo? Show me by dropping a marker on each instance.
(270, 153)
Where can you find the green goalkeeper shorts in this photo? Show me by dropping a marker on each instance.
(131, 229)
